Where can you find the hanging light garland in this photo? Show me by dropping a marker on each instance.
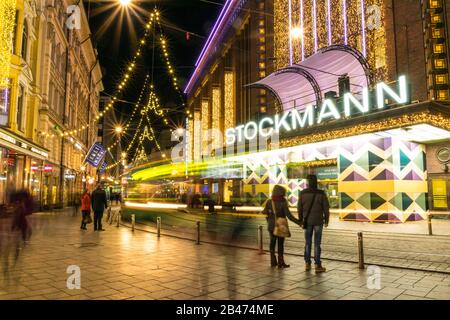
(131, 68)
(153, 104)
(133, 113)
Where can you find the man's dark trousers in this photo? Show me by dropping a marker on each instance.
(98, 215)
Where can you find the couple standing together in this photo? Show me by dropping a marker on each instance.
(314, 213)
(99, 202)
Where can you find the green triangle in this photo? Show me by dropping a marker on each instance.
(397, 201)
(406, 201)
(364, 200)
(389, 159)
(346, 200)
(344, 163)
(374, 161)
(419, 161)
(404, 160)
(376, 201)
(422, 201)
(363, 162)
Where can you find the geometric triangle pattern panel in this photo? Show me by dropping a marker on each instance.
(409, 161)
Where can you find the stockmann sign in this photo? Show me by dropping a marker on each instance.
(309, 116)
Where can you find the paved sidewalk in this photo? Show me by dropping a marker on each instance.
(120, 264)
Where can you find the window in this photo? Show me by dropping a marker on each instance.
(441, 79)
(5, 100)
(442, 95)
(25, 41)
(439, 63)
(20, 108)
(437, 33)
(435, 4)
(439, 48)
(14, 35)
(436, 18)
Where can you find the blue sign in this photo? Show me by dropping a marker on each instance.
(103, 167)
(96, 154)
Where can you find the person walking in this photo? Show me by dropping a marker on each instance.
(314, 214)
(99, 203)
(277, 211)
(85, 209)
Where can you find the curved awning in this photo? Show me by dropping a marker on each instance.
(306, 83)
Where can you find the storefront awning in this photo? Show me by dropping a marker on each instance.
(21, 145)
(306, 83)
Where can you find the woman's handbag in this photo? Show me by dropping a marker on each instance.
(88, 218)
(281, 225)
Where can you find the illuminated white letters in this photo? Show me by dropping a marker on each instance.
(251, 130)
(239, 132)
(349, 100)
(328, 110)
(383, 88)
(308, 115)
(230, 135)
(265, 133)
(282, 122)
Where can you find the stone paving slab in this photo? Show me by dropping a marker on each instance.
(119, 264)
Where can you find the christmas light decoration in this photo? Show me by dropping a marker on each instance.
(130, 70)
(204, 125)
(329, 22)
(435, 119)
(7, 26)
(229, 116)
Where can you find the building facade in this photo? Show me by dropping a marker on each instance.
(53, 87)
(356, 92)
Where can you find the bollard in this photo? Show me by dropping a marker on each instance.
(360, 250)
(158, 226)
(260, 240)
(119, 216)
(198, 232)
(430, 227)
(133, 221)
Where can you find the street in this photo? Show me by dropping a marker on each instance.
(121, 264)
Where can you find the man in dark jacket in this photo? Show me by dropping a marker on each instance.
(314, 212)
(99, 204)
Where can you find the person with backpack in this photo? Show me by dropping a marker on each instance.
(277, 211)
(314, 214)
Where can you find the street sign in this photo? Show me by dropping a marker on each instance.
(103, 167)
(95, 154)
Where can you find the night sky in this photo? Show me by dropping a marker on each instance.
(117, 43)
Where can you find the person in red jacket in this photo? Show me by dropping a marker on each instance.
(85, 209)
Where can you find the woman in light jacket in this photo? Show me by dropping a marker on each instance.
(281, 206)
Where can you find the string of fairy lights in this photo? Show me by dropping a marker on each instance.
(153, 105)
(133, 114)
(122, 85)
(153, 101)
(7, 22)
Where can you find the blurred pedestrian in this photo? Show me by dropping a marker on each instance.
(85, 209)
(99, 203)
(314, 214)
(277, 211)
(22, 205)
